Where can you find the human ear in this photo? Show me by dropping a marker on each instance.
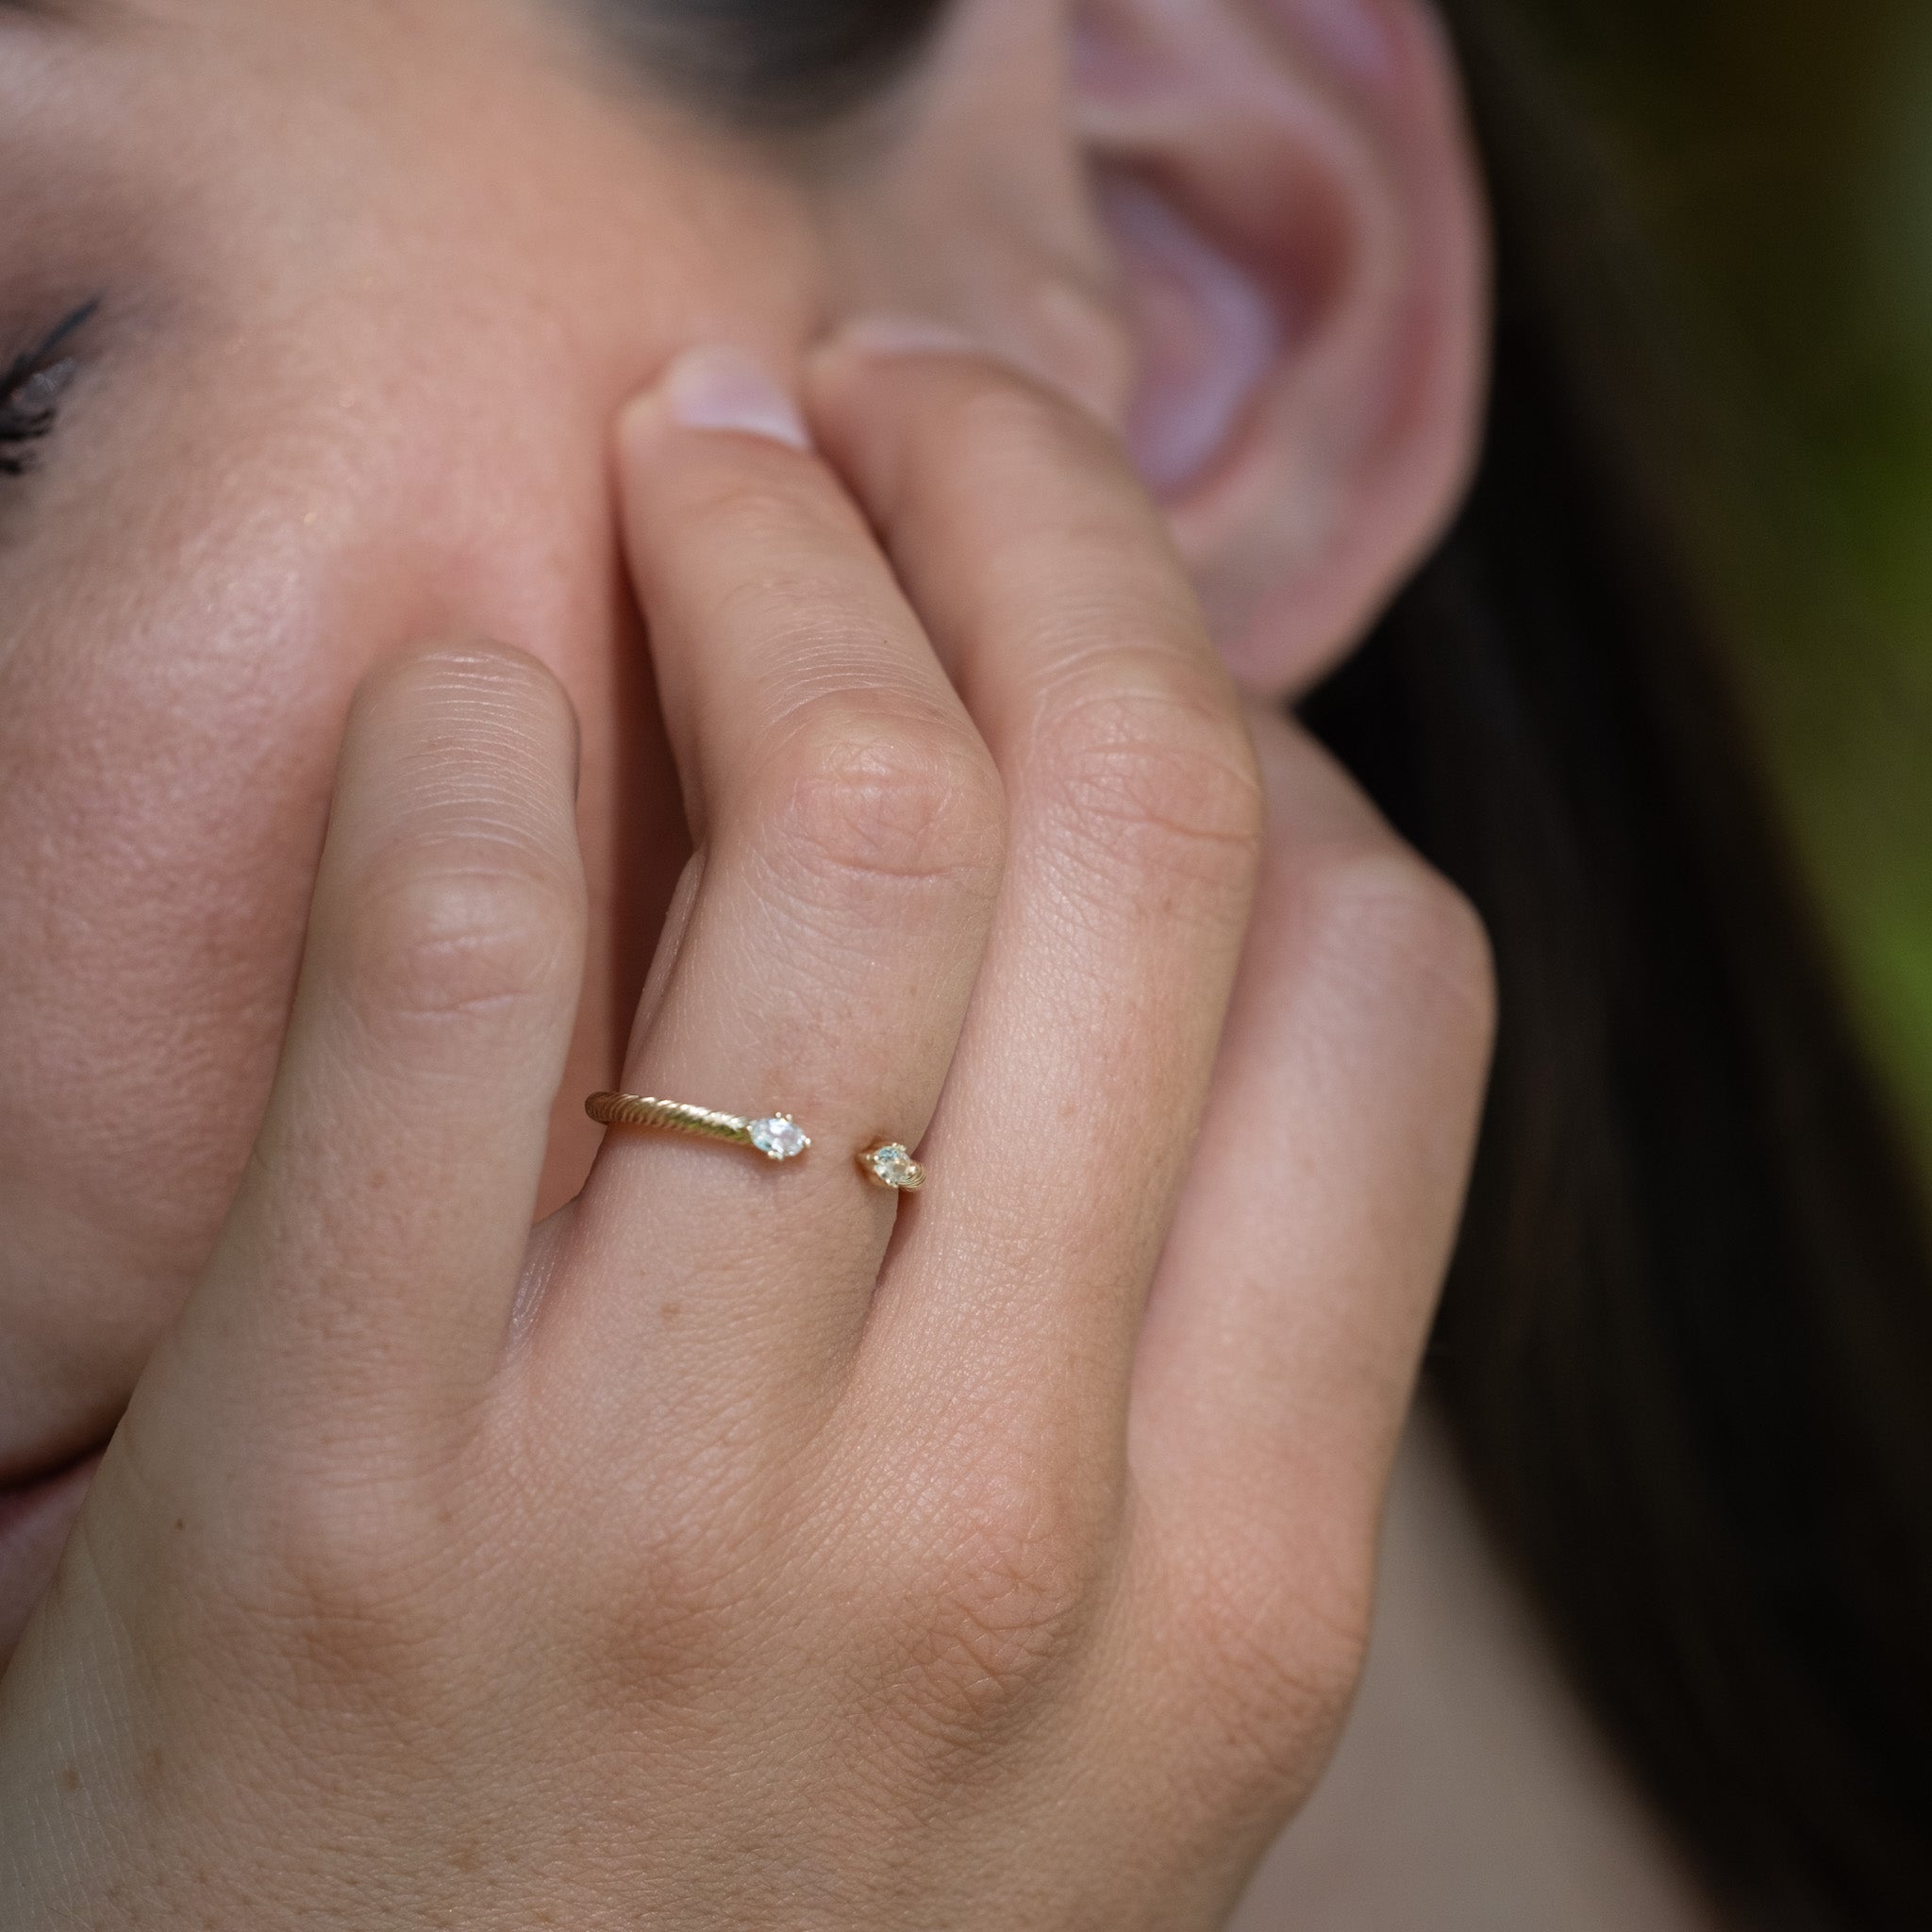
(1292, 204)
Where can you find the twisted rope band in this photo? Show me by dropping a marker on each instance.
(639, 1110)
(778, 1137)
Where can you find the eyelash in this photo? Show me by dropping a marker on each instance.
(30, 394)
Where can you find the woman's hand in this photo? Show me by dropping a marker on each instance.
(738, 1552)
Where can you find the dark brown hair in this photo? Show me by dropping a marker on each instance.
(1687, 1344)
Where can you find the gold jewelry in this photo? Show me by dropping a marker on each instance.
(777, 1136)
(887, 1164)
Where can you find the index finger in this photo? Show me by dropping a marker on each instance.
(371, 1258)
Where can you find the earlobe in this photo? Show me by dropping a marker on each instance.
(1299, 242)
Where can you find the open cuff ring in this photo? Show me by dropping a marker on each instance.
(776, 1136)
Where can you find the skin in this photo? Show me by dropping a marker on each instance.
(1025, 1530)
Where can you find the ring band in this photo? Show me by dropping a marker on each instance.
(777, 1136)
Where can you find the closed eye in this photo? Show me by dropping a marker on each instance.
(31, 390)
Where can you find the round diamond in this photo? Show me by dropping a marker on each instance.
(893, 1167)
(780, 1137)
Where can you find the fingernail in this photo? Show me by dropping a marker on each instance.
(910, 335)
(726, 389)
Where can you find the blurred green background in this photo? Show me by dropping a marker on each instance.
(1774, 158)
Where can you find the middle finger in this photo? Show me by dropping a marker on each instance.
(1053, 594)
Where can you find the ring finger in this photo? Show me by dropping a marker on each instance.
(849, 826)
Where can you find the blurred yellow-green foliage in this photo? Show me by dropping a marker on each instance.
(1776, 159)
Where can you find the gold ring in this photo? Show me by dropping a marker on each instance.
(776, 1136)
(888, 1164)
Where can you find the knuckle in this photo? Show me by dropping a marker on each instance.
(1005, 424)
(760, 505)
(348, 1582)
(866, 799)
(1007, 1606)
(986, 1636)
(995, 1590)
(795, 533)
(1157, 778)
(1277, 1650)
(681, 1611)
(476, 665)
(458, 934)
(672, 1594)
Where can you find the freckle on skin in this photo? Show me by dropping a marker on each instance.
(70, 1779)
(671, 1310)
(180, 1522)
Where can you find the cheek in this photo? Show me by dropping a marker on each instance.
(170, 710)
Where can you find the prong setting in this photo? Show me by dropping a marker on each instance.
(778, 1137)
(890, 1164)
